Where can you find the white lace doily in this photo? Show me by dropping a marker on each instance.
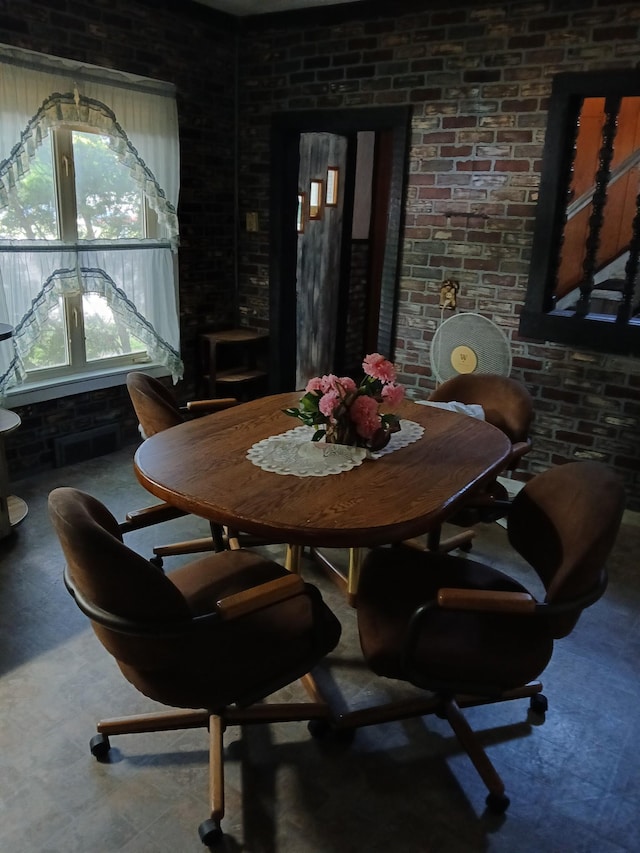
(293, 452)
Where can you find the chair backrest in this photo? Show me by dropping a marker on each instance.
(506, 402)
(168, 638)
(154, 405)
(564, 522)
(110, 576)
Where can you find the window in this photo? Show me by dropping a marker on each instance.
(315, 199)
(78, 190)
(88, 231)
(584, 282)
(333, 179)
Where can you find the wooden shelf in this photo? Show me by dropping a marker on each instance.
(233, 362)
(234, 336)
(240, 375)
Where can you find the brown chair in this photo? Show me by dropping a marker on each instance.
(157, 409)
(211, 639)
(507, 405)
(471, 634)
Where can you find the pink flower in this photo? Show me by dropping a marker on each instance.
(392, 394)
(347, 383)
(364, 414)
(328, 382)
(378, 367)
(350, 411)
(314, 384)
(329, 403)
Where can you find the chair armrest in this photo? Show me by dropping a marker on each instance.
(204, 407)
(486, 600)
(518, 450)
(469, 600)
(138, 519)
(259, 597)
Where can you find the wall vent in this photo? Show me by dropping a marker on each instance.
(80, 446)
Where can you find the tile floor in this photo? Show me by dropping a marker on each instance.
(574, 781)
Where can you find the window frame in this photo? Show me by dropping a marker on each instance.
(64, 187)
(540, 319)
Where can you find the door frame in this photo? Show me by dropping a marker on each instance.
(285, 158)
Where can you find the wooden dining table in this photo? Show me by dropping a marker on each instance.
(201, 467)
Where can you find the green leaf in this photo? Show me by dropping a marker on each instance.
(390, 422)
(311, 398)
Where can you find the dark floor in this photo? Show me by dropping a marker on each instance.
(574, 781)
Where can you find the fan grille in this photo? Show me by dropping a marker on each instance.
(488, 344)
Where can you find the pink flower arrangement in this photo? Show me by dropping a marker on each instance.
(344, 412)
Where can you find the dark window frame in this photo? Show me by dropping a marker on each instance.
(540, 320)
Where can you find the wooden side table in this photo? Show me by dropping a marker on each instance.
(12, 509)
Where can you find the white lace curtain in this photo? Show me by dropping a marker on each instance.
(135, 276)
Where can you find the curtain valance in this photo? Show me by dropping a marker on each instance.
(139, 115)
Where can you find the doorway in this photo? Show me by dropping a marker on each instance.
(371, 259)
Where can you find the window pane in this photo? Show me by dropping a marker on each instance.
(105, 334)
(109, 203)
(32, 214)
(51, 348)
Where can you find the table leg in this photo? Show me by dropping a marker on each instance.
(293, 558)
(355, 564)
(346, 581)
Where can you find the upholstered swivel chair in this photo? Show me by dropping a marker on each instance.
(157, 409)
(213, 638)
(507, 404)
(471, 634)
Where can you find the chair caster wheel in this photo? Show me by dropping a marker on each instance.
(497, 803)
(99, 746)
(322, 729)
(344, 735)
(319, 729)
(539, 704)
(210, 832)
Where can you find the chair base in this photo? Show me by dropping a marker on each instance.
(449, 707)
(191, 546)
(175, 720)
(221, 539)
(319, 711)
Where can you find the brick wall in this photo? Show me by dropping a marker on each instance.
(194, 48)
(478, 77)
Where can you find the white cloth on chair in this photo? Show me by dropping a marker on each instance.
(472, 409)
